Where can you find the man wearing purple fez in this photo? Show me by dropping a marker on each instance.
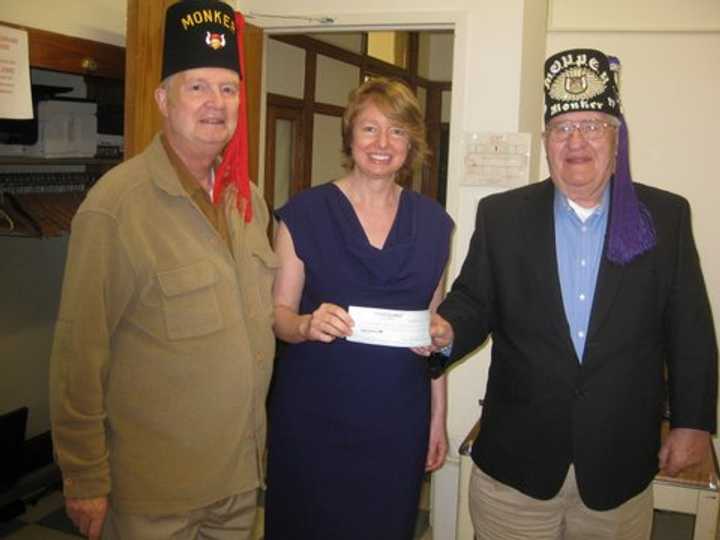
(164, 346)
(590, 286)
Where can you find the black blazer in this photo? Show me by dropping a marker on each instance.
(543, 409)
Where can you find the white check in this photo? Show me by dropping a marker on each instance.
(391, 327)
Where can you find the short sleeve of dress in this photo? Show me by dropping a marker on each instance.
(297, 216)
(435, 228)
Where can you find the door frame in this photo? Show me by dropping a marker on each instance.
(284, 108)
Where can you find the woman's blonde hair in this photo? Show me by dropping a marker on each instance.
(396, 101)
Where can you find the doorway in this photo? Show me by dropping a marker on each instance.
(284, 151)
(308, 78)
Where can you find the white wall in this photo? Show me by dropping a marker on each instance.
(99, 20)
(30, 278)
(637, 15)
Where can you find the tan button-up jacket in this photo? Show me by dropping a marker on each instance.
(164, 346)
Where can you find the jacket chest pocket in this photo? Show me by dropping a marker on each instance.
(189, 300)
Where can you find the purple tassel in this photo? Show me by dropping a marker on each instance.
(631, 230)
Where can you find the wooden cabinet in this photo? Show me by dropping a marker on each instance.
(68, 54)
(48, 211)
(99, 63)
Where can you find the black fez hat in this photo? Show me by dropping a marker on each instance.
(588, 80)
(580, 80)
(200, 33)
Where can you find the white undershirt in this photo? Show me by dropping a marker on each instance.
(582, 212)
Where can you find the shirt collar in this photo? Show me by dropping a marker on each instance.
(561, 203)
(190, 185)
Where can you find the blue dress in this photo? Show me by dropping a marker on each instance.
(349, 422)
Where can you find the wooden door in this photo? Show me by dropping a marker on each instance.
(284, 154)
(145, 23)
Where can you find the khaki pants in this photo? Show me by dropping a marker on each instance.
(232, 518)
(499, 512)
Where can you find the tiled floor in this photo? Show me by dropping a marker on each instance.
(29, 527)
(46, 520)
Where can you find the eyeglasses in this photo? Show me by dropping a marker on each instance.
(590, 130)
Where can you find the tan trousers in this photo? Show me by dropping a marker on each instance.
(499, 512)
(232, 518)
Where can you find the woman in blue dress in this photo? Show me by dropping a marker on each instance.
(354, 426)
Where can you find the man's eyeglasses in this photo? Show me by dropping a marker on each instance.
(589, 129)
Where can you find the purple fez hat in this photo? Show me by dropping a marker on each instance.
(587, 80)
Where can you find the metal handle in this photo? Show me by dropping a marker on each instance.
(89, 64)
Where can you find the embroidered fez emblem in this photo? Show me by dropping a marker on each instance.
(575, 84)
(215, 40)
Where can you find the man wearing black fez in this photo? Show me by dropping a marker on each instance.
(591, 288)
(163, 348)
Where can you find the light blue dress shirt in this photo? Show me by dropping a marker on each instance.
(579, 247)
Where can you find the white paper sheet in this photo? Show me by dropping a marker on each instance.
(15, 94)
(390, 327)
